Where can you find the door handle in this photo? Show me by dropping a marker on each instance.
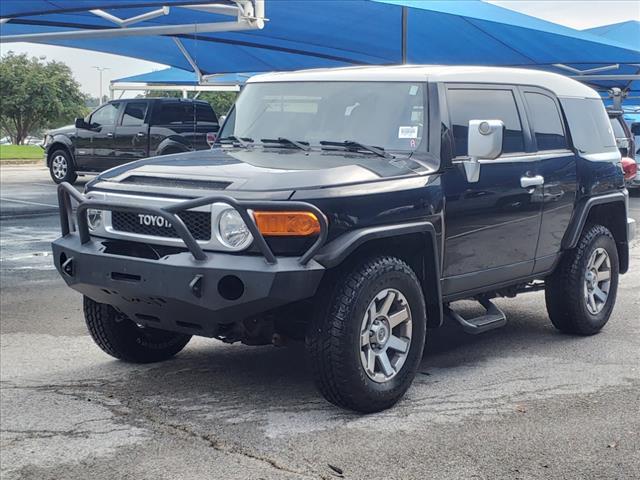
(109, 135)
(527, 182)
(140, 134)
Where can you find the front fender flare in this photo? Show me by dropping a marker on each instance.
(337, 251)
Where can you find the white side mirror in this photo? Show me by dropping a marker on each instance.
(484, 142)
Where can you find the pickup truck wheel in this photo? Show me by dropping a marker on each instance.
(61, 167)
(123, 339)
(581, 293)
(366, 344)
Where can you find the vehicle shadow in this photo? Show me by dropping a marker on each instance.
(211, 376)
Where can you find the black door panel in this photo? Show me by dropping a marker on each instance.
(132, 134)
(492, 225)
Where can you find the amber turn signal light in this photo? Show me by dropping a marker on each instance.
(284, 224)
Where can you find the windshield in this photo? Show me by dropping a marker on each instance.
(389, 115)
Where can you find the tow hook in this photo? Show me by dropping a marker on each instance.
(196, 285)
(67, 267)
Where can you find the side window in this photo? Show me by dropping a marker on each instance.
(546, 120)
(204, 113)
(174, 113)
(478, 104)
(134, 113)
(589, 123)
(105, 115)
(618, 130)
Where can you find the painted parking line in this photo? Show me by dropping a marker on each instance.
(25, 202)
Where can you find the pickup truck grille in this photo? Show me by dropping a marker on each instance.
(198, 223)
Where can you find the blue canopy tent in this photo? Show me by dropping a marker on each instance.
(303, 34)
(628, 34)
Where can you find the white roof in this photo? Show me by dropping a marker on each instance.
(559, 84)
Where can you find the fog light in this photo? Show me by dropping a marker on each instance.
(94, 218)
(232, 230)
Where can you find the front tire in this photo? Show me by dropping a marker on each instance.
(581, 293)
(61, 167)
(366, 344)
(123, 339)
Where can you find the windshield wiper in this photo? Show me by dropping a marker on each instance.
(242, 141)
(287, 141)
(353, 145)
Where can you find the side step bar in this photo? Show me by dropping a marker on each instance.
(493, 318)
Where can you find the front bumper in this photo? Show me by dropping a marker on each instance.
(191, 291)
(179, 293)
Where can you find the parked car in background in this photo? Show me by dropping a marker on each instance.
(625, 141)
(121, 131)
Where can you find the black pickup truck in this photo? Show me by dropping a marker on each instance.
(352, 208)
(121, 131)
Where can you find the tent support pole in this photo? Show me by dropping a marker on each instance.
(189, 58)
(405, 12)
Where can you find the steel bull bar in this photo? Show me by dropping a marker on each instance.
(192, 291)
(170, 213)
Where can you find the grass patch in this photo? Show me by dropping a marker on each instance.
(26, 153)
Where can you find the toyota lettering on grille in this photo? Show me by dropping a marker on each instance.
(153, 221)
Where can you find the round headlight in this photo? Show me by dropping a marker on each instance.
(233, 231)
(94, 218)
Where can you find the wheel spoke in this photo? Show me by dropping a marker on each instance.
(398, 317)
(371, 360)
(600, 294)
(386, 306)
(364, 338)
(604, 275)
(592, 302)
(600, 260)
(385, 364)
(400, 344)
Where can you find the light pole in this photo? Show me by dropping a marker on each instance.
(101, 69)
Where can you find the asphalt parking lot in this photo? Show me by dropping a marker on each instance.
(521, 402)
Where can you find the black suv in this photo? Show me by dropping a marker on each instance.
(125, 130)
(351, 208)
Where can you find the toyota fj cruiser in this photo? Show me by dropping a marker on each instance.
(351, 208)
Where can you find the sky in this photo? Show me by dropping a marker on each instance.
(579, 14)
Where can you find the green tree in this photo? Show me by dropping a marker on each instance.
(36, 94)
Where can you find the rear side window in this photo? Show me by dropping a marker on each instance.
(134, 113)
(618, 130)
(546, 120)
(174, 113)
(589, 125)
(204, 113)
(478, 104)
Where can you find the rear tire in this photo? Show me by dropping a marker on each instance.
(61, 167)
(365, 345)
(123, 339)
(581, 293)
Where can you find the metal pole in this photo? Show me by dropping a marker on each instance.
(101, 69)
(405, 12)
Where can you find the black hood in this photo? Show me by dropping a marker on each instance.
(66, 130)
(261, 169)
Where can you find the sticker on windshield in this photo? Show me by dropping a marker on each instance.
(408, 132)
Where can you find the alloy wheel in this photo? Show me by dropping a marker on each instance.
(597, 281)
(385, 335)
(59, 167)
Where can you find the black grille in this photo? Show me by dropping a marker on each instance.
(198, 223)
